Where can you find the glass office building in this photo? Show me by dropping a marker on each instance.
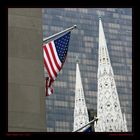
(117, 24)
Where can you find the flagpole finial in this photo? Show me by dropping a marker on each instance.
(75, 26)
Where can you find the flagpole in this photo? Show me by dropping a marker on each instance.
(59, 33)
(85, 125)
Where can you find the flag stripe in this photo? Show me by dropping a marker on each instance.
(52, 58)
(48, 66)
(46, 86)
(57, 61)
(49, 60)
(50, 82)
(45, 65)
(48, 90)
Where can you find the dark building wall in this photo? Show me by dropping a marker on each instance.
(92, 114)
(117, 23)
(26, 93)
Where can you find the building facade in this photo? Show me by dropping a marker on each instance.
(26, 98)
(84, 43)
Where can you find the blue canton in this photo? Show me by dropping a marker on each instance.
(61, 45)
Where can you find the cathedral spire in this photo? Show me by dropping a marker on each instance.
(103, 46)
(80, 110)
(110, 118)
(104, 59)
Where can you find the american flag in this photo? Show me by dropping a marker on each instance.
(54, 57)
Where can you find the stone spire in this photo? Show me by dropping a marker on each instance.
(110, 118)
(125, 123)
(80, 111)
